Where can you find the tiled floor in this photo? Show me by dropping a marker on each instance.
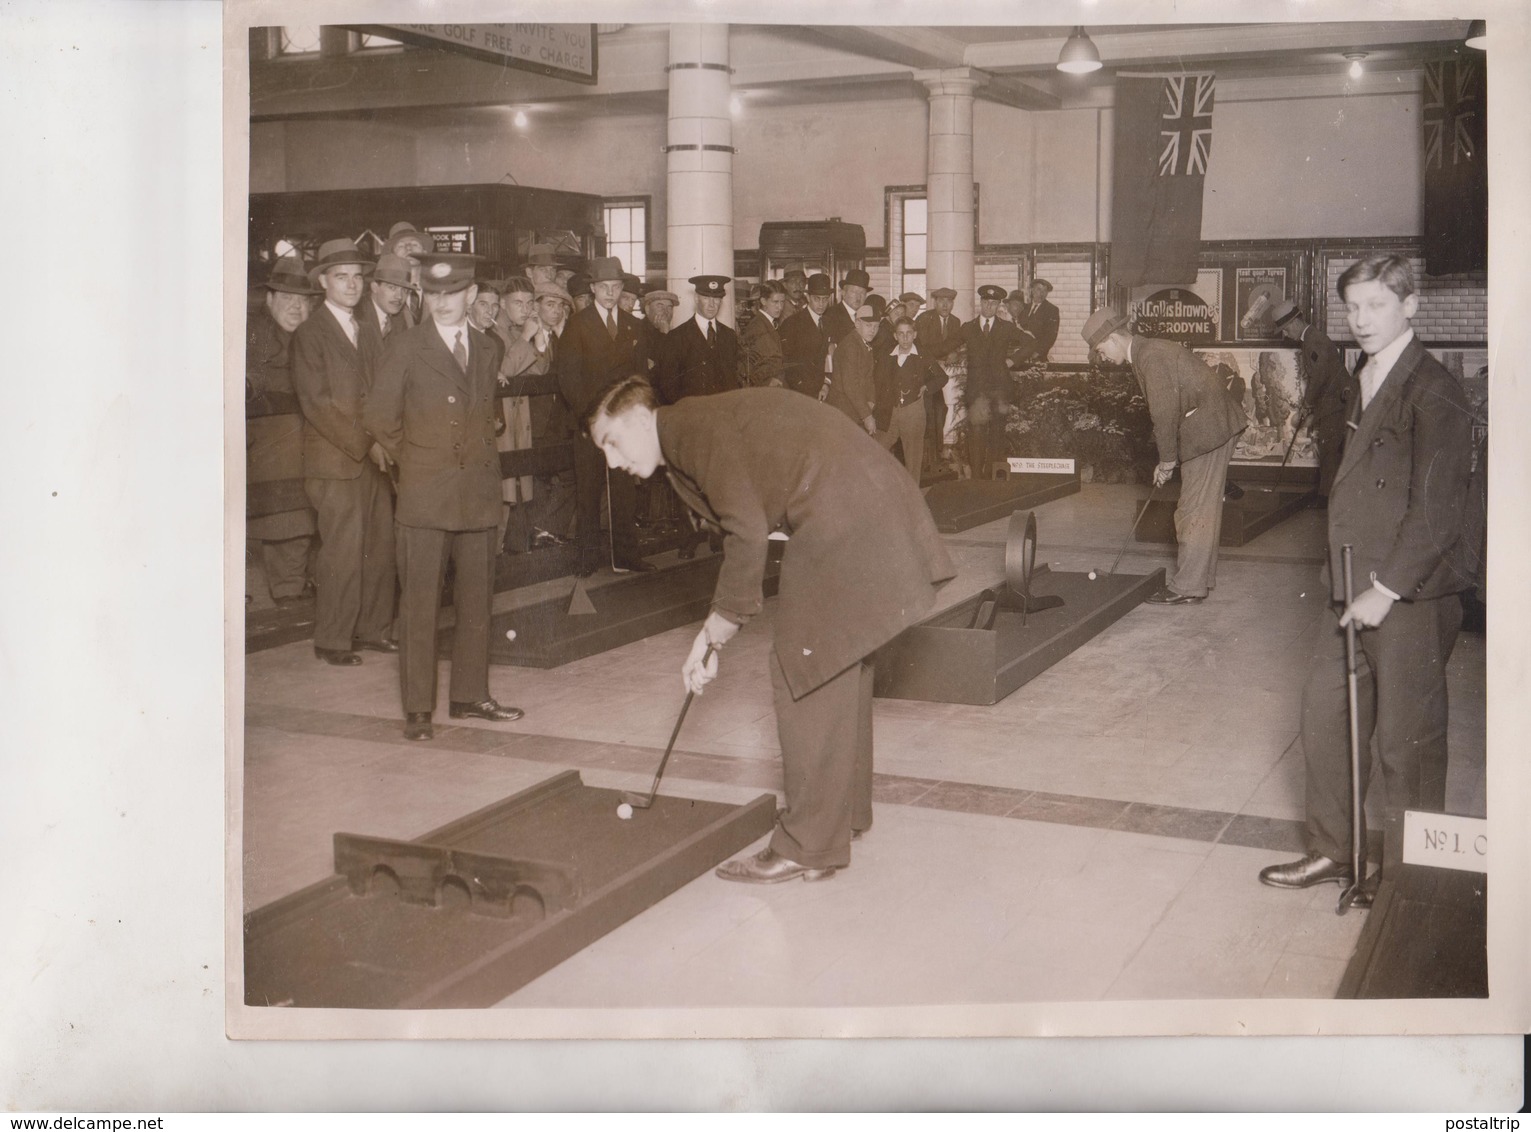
(1093, 836)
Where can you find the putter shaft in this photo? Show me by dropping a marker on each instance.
(644, 801)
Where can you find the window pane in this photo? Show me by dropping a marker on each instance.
(914, 253)
(638, 264)
(619, 225)
(300, 40)
(914, 215)
(915, 282)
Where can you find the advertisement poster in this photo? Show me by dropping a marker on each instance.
(1189, 313)
(1269, 386)
(1257, 290)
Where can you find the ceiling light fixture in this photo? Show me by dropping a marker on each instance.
(1079, 56)
(520, 119)
(1355, 58)
(1477, 35)
(735, 104)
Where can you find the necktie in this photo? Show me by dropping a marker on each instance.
(1368, 382)
(611, 325)
(387, 323)
(985, 326)
(353, 328)
(712, 336)
(460, 352)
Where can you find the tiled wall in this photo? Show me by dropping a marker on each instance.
(1452, 308)
(1071, 295)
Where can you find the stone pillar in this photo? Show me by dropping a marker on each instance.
(700, 162)
(949, 183)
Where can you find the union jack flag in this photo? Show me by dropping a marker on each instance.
(1450, 105)
(1186, 132)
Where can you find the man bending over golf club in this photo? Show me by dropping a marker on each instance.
(862, 564)
(1397, 499)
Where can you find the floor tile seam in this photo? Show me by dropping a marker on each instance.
(516, 747)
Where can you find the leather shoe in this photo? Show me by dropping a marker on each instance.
(417, 725)
(485, 709)
(631, 566)
(345, 658)
(378, 646)
(1313, 868)
(543, 539)
(769, 867)
(1167, 596)
(1232, 490)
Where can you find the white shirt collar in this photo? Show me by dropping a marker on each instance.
(702, 323)
(449, 333)
(913, 350)
(1379, 365)
(343, 315)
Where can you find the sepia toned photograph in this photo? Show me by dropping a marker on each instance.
(655, 622)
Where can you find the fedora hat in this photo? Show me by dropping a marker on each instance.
(405, 230)
(1101, 325)
(554, 291)
(855, 277)
(334, 253)
(1039, 282)
(605, 269)
(287, 275)
(1283, 312)
(540, 255)
(392, 269)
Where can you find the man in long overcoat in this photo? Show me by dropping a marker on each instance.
(433, 408)
(861, 564)
(1196, 421)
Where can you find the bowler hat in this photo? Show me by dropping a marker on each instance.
(403, 230)
(855, 277)
(709, 286)
(445, 273)
(943, 293)
(630, 285)
(1283, 312)
(606, 269)
(540, 255)
(392, 269)
(819, 284)
(1101, 325)
(287, 275)
(333, 253)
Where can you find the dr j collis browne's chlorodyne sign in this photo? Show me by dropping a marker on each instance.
(566, 51)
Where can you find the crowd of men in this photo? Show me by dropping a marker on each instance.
(411, 373)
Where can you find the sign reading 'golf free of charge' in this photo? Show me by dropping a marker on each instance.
(567, 51)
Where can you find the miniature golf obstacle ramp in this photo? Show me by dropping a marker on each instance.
(986, 646)
(959, 505)
(467, 914)
(548, 634)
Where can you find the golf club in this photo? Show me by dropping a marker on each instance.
(1357, 846)
(644, 801)
(1141, 510)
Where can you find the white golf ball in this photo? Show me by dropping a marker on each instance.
(624, 811)
(510, 634)
(1092, 575)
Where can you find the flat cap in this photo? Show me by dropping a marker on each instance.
(943, 293)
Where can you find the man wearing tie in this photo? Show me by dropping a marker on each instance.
(433, 408)
(932, 330)
(344, 469)
(386, 308)
(990, 341)
(805, 339)
(701, 355)
(601, 345)
(1037, 320)
(1398, 500)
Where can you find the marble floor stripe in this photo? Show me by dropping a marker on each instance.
(1210, 826)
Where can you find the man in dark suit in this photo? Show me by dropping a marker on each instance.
(862, 564)
(433, 408)
(274, 430)
(386, 307)
(990, 341)
(601, 345)
(344, 469)
(852, 389)
(903, 378)
(762, 361)
(1324, 381)
(932, 331)
(1037, 320)
(701, 355)
(805, 341)
(1196, 422)
(840, 319)
(1398, 500)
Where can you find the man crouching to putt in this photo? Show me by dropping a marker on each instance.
(432, 407)
(862, 564)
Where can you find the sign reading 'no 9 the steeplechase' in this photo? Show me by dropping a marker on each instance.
(567, 51)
